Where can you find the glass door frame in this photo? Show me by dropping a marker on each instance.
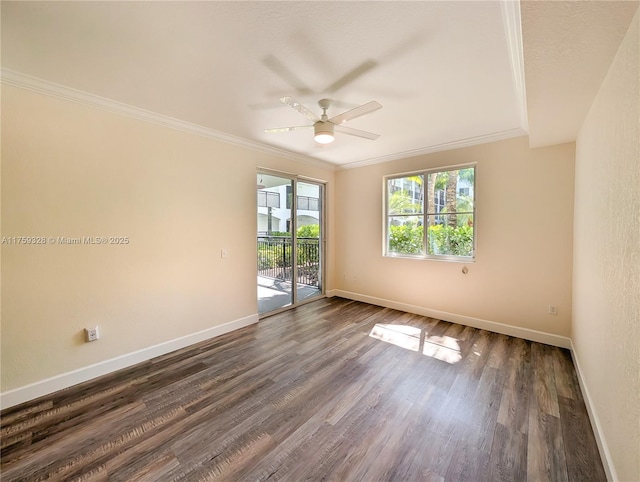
(322, 185)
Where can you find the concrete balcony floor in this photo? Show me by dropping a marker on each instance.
(274, 293)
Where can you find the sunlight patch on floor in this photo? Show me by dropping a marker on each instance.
(400, 335)
(444, 348)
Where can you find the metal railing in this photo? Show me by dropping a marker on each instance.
(275, 259)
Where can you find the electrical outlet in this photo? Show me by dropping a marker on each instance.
(91, 334)
(553, 310)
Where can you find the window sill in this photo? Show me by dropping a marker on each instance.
(450, 259)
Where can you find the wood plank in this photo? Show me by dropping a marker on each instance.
(565, 374)
(514, 404)
(545, 448)
(508, 459)
(579, 442)
(545, 395)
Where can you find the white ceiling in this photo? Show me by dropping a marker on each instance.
(568, 48)
(448, 74)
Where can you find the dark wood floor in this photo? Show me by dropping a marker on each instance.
(333, 390)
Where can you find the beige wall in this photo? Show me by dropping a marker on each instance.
(606, 276)
(72, 170)
(524, 238)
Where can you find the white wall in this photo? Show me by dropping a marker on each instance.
(606, 273)
(524, 229)
(72, 170)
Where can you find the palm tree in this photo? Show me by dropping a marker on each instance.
(465, 201)
(418, 182)
(431, 195)
(436, 182)
(401, 203)
(451, 196)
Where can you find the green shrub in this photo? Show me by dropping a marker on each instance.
(406, 239)
(441, 239)
(266, 260)
(447, 240)
(309, 231)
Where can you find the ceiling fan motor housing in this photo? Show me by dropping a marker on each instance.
(323, 132)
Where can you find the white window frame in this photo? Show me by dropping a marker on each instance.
(425, 207)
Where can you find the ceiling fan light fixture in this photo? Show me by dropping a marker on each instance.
(323, 132)
(323, 126)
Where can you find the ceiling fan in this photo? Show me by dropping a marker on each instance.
(324, 126)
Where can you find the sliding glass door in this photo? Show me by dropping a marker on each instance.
(309, 239)
(289, 247)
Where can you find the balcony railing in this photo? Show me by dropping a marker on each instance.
(275, 259)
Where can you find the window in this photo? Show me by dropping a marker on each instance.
(441, 200)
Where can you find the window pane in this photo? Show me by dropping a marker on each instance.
(405, 195)
(450, 234)
(406, 235)
(451, 191)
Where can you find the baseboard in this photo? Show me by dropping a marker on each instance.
(525, 333)
(603, 448)
(65, 380)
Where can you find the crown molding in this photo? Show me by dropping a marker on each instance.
(24, 81)
(446, 146)
(513, 32)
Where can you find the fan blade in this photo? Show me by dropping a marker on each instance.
(287, 75)
(342, 104)
(357, 132)
(285, 129)
(357, 112)
(294, 104)
(352, 75)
